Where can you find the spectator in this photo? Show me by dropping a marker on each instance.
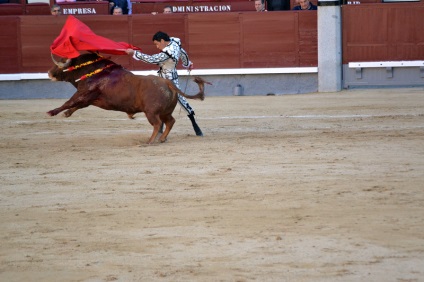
(260, 6)
(55, 10)
(124, 4)
(167, 60)
(167, 10)
(129, 7)
(305, 5)
(278, 5)
(117, 11)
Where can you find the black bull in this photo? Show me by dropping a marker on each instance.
(104, 84)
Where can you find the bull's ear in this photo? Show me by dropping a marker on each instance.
(60, 64)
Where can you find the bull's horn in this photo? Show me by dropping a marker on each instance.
(60, 64)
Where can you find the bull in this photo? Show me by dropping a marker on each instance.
(107, 85)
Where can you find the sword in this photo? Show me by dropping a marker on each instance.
(185, 88)
(188, 77)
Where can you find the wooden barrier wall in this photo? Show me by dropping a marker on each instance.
(218, 40)
(383, 32)
(371, 32)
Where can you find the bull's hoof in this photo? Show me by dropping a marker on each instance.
(67, 113)
(51, 113)
(150, 142)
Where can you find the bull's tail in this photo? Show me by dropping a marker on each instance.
(199, 96)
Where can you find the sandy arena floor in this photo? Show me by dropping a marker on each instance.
(316, 187)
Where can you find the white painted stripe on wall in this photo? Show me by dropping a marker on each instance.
(29, 76)
(386, 64)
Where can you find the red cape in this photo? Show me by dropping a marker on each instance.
(76, 36)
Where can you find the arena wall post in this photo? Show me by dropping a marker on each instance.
(329, 46)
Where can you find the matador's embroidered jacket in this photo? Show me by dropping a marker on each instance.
(167, 59)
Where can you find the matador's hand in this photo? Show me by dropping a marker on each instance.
(190, 66)
(129, 51)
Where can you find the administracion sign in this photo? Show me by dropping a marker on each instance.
(201, 8)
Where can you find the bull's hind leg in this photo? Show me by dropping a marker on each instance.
(169, 123)
(155, 121)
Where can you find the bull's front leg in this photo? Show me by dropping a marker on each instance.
(55, 111)
(69, 112)
(77, 101)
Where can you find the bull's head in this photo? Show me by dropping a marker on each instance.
(73, 70)
(56, 72)
(61, 65)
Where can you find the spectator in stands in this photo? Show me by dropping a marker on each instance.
(55, 10)
(167, 10)
(278, 5)
(305, 5)
(117, 11)
(129, 7)
(260, 6)
(124, 4)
